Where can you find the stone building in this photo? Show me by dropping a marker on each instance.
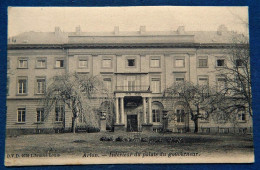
(136, 66)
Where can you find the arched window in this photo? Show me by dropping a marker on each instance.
(156, 110)
(180, 114)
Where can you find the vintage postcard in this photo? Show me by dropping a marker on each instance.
(115, 85)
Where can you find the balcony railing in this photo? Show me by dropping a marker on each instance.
(133, 88)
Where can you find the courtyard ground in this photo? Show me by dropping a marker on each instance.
(89, 144)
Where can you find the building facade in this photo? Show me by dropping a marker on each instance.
(136, 66)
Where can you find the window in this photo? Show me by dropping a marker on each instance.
(179, 63)
(156, 115)
(40, 114)
(40, 86)
(179, 80)
(156, 85)
(221, 84)
(22, 85)
(21, 115)
(108, 83)
(220, 62)
(242, 130)
(180, 115)
(59, 63)
(155, 63)
(203, 62)
(223, 130)
(107, 63)
(203, 81)
(131, 85)
(131, 62)
(239, 63)
(83, 63)
(23, 63)
(156, 111)
(59, 113)
(241, 116)
(41, 63)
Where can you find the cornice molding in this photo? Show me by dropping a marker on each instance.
(131, 73)
(179, 72)
(122, 45)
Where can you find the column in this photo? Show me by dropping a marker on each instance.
(144, 110)
(150, 109)
(117, 111)
(122, 110)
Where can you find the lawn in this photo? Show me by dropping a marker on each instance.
(68, 145)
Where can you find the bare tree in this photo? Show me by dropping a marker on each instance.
(76, 92)
(197, 98)
(237, 93)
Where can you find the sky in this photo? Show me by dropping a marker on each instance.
(103, 19)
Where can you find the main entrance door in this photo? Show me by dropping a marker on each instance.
(132, 123)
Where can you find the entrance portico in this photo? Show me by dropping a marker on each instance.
(131, 110)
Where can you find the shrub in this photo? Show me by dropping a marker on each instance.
(86, 128)
(144, 139)
(110, 139)
(93, 129)
(103, 138)
(119, 139)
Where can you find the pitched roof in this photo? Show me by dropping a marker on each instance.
(39, 38)
(90, 37)
(213, 37)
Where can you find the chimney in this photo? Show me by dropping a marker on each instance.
(78, 30)
(57, 30)
(222, 29)
(116, 30)
(181, 30)
(142, 29)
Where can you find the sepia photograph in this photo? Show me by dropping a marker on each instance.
(128, 85)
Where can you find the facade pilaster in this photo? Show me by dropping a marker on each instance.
(144, 111)
(117, 110)
(122, 110)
